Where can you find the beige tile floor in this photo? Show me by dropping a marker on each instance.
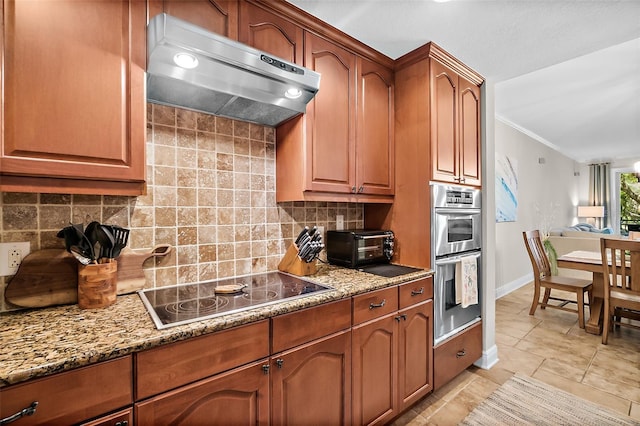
(549, 347)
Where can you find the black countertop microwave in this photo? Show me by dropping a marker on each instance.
(354, 248)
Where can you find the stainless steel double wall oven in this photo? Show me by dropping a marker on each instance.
(456, 233)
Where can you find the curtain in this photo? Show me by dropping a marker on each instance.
(599, 191)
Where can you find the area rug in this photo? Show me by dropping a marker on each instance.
(525, 401)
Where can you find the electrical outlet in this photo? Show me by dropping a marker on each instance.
(11, 255)
(339, 222)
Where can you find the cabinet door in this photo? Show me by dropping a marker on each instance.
(444, 138)
(237, 397)
(469, 112)
(415, 353)
(375, 366)
(218, 16)
(331, 118)
(311, 384)
(375, 138)
(121, 418)
(270, 33)
(74, 108)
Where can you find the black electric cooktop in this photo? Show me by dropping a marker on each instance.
(182, 304)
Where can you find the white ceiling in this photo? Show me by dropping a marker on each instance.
(566, 72)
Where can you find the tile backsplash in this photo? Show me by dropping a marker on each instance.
(210, 194)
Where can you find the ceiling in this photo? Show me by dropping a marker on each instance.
(566, 72)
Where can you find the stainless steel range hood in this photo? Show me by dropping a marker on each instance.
(222, 76)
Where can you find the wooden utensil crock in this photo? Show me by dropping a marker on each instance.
(97, 285)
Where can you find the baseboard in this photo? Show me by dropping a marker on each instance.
(489, 358)
(513, 285)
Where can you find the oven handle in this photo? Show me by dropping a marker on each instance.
(443, 210)
(456, 259)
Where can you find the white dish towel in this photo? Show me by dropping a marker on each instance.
(467, 281)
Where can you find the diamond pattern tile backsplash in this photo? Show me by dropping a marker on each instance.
(210, 194)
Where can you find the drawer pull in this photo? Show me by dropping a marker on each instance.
(29, 411)
(377, 305)
(403, 316)
(417, 292)
(461, 353)
(265, 368)
(279, 362)
(122, 423)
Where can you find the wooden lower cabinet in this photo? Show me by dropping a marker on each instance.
(375, 370)
(73, 396)
(392, 363)
(240, 396)
(311, 384)
(415, 355)
(120, 418)
(457, 353)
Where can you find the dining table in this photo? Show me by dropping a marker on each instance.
(590, 261)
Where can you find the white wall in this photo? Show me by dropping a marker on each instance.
(549, 185)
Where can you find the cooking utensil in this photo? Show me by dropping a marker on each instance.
(81, 254)
(106, 240)
(121, 236)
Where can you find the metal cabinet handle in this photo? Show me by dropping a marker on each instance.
(398, 318)
(361, 188)
(122, 423)
(403, 316)
(265, 368)
(461, 353)
(353, 189)
(29, 411)
(462, 179)
(378, 305)
(279, 362)
(417, 292)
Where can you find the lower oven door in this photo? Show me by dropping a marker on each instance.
(449, 316)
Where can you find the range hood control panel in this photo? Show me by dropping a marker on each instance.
(281, 65)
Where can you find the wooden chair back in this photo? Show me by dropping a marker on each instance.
(539, 259)
(622, 275)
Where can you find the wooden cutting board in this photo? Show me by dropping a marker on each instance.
(50, 277)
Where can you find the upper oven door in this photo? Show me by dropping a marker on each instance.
(456, 230)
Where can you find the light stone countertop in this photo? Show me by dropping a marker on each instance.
(40, 342)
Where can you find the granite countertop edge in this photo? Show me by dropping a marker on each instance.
(45, 341)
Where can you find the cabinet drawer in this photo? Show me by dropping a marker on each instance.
(374, 304)
(457, 353)
(72, 396)
(177, 364)
(303, 326)
(415, 292)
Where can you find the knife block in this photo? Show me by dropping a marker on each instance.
(292, 263)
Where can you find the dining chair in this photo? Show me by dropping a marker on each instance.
(621, 284)
(543, 279)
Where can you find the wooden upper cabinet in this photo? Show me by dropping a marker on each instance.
(470, 156)
(444, 132)
(455, 127)
(73, 96)
(270, 33)
(218, 16)
(331, 135)
(375, 136)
